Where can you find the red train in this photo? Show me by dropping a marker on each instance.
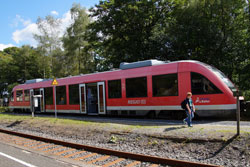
(149, 87)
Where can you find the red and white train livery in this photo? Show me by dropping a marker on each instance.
(146, 87)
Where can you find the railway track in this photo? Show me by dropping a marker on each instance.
(89, 154)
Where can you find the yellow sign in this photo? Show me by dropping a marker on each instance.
(54, 82)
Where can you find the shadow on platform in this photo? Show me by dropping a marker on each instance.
(174, 128)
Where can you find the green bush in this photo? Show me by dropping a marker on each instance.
(246, 95)
(2, 109)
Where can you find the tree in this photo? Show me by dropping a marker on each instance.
(5, 60)
(126, 30)
(74, 41)
(18, 65)
(48, 40)
(213, 32)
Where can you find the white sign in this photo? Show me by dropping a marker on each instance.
(36, 102)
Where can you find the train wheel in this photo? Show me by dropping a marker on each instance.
(151, 114)
(178, 115)
(196, 116)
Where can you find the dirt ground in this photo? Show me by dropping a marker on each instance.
(214, 144)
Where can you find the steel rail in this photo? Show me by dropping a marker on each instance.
(138, 157)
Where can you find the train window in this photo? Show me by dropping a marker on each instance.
(61, 95)
(136, 87)
(114, 89)
(222, 76)
(48, 94)
(201, 85)
(12, 96)
(37, 92)
(165, 85)
(73, 94)
(19, 95)
(26, 95)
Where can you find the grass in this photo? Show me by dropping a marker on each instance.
(232, 131)
(205, 131)
(131, 127)
(225, 130)
(9, 117)
(56, 121)
(2, 109)
(65, 122)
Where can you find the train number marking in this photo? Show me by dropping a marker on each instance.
(137, 101)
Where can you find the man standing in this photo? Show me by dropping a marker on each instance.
(190, 109)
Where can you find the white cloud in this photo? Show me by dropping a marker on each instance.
(25, 35)
(66, 21)
(54, 13)
(19, 20)
(3, 46)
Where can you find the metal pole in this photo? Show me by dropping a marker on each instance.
(31, 102)
(33, 108)
(32, 105)
(55, 102)
(238, 114)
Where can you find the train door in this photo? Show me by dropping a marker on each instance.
(91, 99)
(42, 100)
(82, 95)
(101, 98)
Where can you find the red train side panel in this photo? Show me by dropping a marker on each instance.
(222, 103)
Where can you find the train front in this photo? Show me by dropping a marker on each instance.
(212, 91)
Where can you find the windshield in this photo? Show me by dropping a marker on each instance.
(221, 75)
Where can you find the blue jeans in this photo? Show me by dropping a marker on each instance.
(189, 117)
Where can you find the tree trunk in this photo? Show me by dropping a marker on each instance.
(79, 60)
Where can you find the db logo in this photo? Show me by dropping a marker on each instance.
(202, 100)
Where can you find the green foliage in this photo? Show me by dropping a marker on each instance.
(246, 95)
(11, 86)
(5, 60)
(113, 139)
(18, 65)
(153, 143)
(78, 60)
(49, 44)
(213, 32)
(124, 30)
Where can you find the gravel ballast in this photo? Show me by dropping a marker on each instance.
(226, 150)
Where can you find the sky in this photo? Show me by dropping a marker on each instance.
(18, 18)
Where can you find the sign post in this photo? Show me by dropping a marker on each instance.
(238, 113)
(237, 94)
(33, 107)
(54, 83)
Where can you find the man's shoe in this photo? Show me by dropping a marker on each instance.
(190, 126)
